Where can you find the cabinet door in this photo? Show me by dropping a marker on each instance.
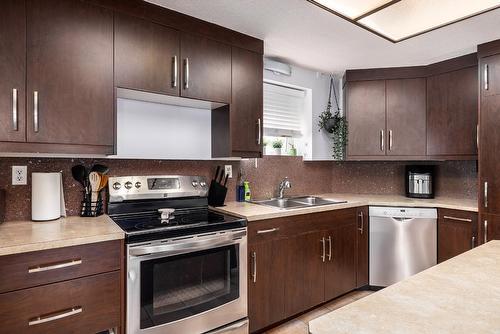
(489, 227)
(13, 69)
(406, 110)
(340, 272)
(304, 283)
(362, 236)
(206, 69)
(366, 116)
(246, 103)
(266, 291)
(70, 73)
(146, 56)
(457, 233)
(452, 113)
(489, 159)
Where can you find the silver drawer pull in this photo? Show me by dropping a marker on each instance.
(473, 242)
(485, 194)
(175, 72)
(35, 112)
(254, 267)
(271, 230)
(382, 140)
(458, 219)
(323, 244)
(486, 77)
(362, 216)
(329, 248)
(186, 73)
(15, 125)
(55, 266)
(485, 231)
(66, 313)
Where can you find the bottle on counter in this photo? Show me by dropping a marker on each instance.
(248, 194)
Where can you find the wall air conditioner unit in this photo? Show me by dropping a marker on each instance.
(277, 68)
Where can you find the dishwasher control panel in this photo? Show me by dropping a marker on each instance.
(400, 212)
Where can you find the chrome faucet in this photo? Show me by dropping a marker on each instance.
(284, 184)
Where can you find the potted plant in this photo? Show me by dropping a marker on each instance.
(277, 145)
(335, 124)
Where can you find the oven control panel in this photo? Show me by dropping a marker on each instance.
(123, 188)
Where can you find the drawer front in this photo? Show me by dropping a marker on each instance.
(265, 230)
(457, 216)
(84, 305)
(20, 271)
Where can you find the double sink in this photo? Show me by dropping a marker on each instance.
(297, 202)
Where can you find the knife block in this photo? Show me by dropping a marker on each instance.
(216, 194)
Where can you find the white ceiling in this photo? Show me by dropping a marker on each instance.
(301, 33)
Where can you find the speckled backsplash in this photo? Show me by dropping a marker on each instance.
(453, 179)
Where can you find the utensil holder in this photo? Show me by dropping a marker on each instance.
(216, 194)
(90, 208)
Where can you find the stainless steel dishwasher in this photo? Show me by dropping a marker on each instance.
(403, 242)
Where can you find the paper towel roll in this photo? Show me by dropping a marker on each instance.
(47, 200)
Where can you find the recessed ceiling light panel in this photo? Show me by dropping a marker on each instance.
(403, 19)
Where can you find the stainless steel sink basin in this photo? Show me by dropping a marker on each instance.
(297, 202)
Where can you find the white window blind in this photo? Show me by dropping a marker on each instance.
(283, 110)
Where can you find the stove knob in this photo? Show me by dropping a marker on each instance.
(138, 185)
(117, 186)
(128, 185)
(195, 183)
(203, 184)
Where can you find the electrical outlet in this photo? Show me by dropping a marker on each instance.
(19, 175)
(228, 170)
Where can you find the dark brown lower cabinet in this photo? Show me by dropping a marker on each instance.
(298, 262)
(267, 304)
(362, 247)
(489, 227)
(457, 233)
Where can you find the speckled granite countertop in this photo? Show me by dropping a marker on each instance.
(253, 212)
(461, 295)
(27, 236)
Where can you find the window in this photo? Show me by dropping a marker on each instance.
(283, 110)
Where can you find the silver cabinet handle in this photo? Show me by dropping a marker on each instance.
(175, 71)
(458, 219)
(259, 135)
(382, 140)
(362, 218)
(390, 140)
(66, 313)
(35, 111)
(486, 77)
(485, 231)
(473, 242)
(15, 125)
(477, 136)
(254, 267)
(271, 230)
(323, 256)
(186, 73)
(329, 248)
(485, 194)
(41, 268)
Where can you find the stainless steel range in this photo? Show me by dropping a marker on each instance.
(186, 264)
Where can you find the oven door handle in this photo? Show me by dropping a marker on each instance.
(186, 246)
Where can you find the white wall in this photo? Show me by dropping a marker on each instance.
(317, 144)
(148, 130)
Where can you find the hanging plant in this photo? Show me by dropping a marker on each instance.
(335, 124)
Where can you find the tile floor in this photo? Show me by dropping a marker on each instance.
(299, 324)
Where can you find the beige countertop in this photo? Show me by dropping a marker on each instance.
(27, 236)
(461, 295)
(253, 212)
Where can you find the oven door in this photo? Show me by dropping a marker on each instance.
(192, 285)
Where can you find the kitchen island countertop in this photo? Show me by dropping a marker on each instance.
(461, 295)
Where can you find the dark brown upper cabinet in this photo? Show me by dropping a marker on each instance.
(365, 105)
(451, 113)
(13, 69)
(405, 99)
(206, 69)
(70, 73)
(246, 113)
(413, 113)
(147, 56)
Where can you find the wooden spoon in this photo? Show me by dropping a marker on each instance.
(95, 182)
(104, 182)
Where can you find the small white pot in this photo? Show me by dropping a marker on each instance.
(277, 151)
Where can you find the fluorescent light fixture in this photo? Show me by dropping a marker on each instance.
(402, 19)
